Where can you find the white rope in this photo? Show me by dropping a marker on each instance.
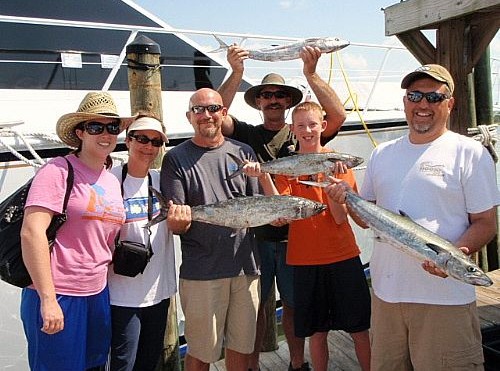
(38, 162)
(487, 135)
(45, 136)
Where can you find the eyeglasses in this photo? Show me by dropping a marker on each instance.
(432, 97)
(96, 128)
(280, 94)
(211, 108)
(143, 139)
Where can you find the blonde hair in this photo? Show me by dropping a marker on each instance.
(308, 106)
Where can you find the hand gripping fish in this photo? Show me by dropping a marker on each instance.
(290, 51)
(245, 212)
(403, 233)
(301, 163)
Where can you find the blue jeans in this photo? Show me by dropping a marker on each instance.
(137, 336)
(273, 264)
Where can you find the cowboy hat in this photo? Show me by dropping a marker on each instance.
(94, 106)
(272, 79)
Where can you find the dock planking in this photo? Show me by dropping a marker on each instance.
(342, 355)
(340, 344)
(488, 301)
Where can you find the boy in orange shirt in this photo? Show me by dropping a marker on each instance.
(331, 292)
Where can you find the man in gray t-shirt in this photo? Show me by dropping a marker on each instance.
(219, 274)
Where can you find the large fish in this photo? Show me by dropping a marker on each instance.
(403, 233)
(302, 163)
(291, 51)
(245, 212)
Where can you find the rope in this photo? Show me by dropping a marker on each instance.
(354, 101)
(38, 161)
(487, 135)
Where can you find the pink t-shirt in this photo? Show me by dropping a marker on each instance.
(82, 249)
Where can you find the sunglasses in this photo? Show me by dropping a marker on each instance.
(212, 108)
(145, 140)
(96, 128)
(280, 94)
(432, 97)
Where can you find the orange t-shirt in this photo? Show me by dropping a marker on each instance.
(317, 240)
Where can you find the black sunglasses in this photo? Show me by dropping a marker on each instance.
(96, 128)
(432, 97)
(280, 94)
(143, 139)
(212, 108)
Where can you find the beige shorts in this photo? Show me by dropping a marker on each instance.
(219, 313)
(410, 336)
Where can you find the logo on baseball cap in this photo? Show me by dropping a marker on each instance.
(435, 71)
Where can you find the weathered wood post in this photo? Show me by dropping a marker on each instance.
(270, 341)
(144, 79)
(484, 114)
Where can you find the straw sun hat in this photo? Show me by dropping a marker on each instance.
(95, 106)
(273, 79)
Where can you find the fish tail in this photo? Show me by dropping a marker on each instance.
(163, 201)
(222, 45)
(240, 164)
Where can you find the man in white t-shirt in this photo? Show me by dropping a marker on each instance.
(422, 319)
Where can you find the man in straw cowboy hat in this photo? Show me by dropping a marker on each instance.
(270, 140)
(66, 312)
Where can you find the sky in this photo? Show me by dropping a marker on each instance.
(360, 22)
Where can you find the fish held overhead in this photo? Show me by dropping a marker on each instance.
(403, 233)
(290, 51)
(302, 164)
(245, 212)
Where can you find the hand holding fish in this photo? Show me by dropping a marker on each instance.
(178, 217)
(432, 268)
(338, 167)
(252, 169)
(236, 57)
(310, 56)
(337, 189)
(280, 222)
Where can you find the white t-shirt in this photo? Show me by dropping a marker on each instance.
(158, 282)
(436, 184)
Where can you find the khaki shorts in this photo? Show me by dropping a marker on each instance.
(410, 336)
(220, 310)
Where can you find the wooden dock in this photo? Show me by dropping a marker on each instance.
(488, 302)
(342, 356)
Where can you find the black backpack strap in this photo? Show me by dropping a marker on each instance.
(124, 175)
(69, 184)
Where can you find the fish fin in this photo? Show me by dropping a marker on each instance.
(437, 249)
(222, 45)
(240, 164)
(402, 213)
(314, 184)
(238, 194)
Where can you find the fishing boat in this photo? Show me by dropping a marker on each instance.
(53, 53)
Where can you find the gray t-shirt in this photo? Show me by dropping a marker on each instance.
(194, 175)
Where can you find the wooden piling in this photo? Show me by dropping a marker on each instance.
(144, 79)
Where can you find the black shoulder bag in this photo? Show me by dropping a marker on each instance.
(12, 268)
(130, 258)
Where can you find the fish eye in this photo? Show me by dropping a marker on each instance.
(471, 269)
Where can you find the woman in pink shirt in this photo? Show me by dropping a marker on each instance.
(66, 312)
